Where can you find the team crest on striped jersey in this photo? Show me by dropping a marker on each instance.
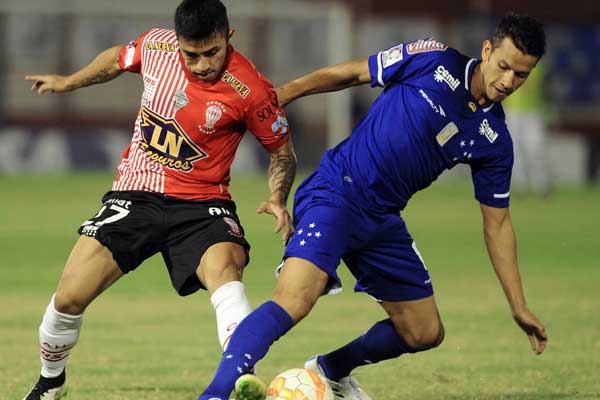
(165, 142)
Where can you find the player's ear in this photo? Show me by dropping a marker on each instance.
(486, 50)
(230, 33)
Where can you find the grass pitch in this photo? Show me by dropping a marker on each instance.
(141, 341)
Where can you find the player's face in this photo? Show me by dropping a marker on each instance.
(205, 58)
(504, 69)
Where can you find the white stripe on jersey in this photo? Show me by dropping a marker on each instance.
(471, 61)
(137, 171)
(379, 69)
(502, 196)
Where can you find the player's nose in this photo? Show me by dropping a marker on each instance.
(202, 67)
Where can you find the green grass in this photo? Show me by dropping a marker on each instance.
(141, 341)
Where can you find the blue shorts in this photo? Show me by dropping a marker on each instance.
(376, 247)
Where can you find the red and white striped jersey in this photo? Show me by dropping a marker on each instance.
(187, 130)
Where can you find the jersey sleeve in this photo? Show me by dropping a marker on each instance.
(403, 60)
(491, 179)
(266, 120)
(130, 56)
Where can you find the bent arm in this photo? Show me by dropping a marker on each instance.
(327, 79)
(501, 244)
(102, 69)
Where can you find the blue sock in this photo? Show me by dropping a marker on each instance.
(249, 343)
(381, 342)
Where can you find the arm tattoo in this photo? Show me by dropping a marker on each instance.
(103, 75)
(282, 172)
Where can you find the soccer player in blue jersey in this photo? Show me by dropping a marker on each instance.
(438, 108)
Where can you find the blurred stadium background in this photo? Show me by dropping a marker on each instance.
(58, 154)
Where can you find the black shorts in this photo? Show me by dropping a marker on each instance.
(135, 225)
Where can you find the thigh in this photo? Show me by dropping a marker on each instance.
(199, 229)
(322, 235)
(390, 266)
(130, 225)
(90, 269)
(300, 284)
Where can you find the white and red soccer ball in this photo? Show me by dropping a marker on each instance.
(299, 384)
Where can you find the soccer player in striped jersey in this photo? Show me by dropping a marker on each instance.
(171, 193)
(438, 108)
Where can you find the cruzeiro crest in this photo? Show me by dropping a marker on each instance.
(165, 142)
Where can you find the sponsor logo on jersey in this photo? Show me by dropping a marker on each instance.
(239, 87)
(472, 106)
(159, 46)
(441, 74)
(486, 130)
(281, 123)
(437, 109)
(391, 56)
(166, 143)
(446, 133)
(214, 112)
(424, 46)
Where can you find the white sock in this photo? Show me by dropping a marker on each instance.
(231, 306)
(58, 334)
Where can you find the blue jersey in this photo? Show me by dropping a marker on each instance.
(424, 122)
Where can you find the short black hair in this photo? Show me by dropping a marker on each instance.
(201, 19)
(527, 33)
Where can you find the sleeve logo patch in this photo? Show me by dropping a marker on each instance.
(425, 45)
(129, 53)
(391, 56)
(239, 87)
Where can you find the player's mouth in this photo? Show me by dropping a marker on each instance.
(205, 76)
(504, 93)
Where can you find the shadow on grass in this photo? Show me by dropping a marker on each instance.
(537, 396)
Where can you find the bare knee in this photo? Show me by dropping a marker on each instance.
(298, 305)
(299, 286)
(68, 302)
(423, 337)
(221, 263)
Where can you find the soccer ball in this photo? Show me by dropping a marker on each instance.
(299, 384)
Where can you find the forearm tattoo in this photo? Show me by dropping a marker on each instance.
(105, 74)
(282, 172)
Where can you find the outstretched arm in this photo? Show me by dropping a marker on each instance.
(502, 248)
(104, 68)
(327, 79)
(282, 172)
